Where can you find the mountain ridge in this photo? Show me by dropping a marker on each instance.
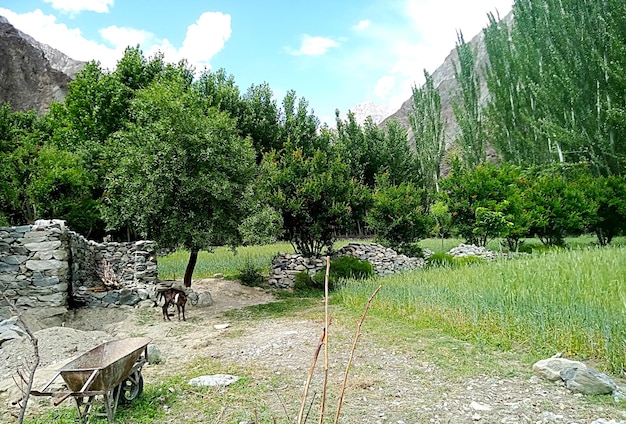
(32, 74)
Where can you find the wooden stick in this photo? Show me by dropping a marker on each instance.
(310, 377)
(326, 317)
(356, 339)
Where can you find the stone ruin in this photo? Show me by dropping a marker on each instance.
(47, 265)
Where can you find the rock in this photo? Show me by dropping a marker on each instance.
(588, 381)
(221, 326)
(8, 335)
(480, 407)
(213, 380)
(218, 276)
(551, 368)
(204, 299)
(154, 354)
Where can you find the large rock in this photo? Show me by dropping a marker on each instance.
(551, 368)
(588, 381)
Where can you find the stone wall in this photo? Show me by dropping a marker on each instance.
(385, 261)
(34, 267)
(46, 265)
(134, 265)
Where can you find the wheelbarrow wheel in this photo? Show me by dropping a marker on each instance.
(131, 388)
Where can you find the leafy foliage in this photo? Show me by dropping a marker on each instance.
(312, 194)
(399, 215)
(182, 177)
(427, 126)
(250, 275)
(344, 267)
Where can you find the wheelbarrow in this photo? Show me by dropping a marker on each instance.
(111, 370)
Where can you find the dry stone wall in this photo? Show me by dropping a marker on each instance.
(47, 265)
(34, 269)
(385, 261)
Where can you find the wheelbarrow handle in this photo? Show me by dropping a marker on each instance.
(62, 396)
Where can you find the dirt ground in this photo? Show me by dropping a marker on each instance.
(390, 382)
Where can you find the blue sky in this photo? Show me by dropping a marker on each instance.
(336, 54)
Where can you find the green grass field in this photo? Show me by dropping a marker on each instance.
(572, 301)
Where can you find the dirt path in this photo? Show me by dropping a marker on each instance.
(422, 379)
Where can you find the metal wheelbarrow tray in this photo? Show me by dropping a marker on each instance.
(111, 370)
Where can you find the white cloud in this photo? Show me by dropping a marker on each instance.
(122, 37)
(421, 35)
(75, 6)
(363, 24)
(384, 85)
(314, 46)
(204, 39)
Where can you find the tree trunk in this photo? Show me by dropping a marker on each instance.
(193, 258)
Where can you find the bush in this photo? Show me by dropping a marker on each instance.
(469, 260)
(303, 281)
(250, 275)
(441, 259)
(344, 267)
(412, 250)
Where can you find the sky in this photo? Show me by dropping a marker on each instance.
(335, 54)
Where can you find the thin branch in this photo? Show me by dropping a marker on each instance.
(326, 318)
(310, 377)
(356, 339)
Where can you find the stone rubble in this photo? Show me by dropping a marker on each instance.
(463, 250)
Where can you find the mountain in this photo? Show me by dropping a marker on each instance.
(444, 81)
(32, 74)
(378, 112)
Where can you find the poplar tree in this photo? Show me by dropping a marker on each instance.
(427, 127)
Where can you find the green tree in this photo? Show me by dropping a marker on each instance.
(560, 205)
(260, 119)
(427, 127)
(183, 176)
(399, 215)
(468, 111)
(443, 219)
(312, 193)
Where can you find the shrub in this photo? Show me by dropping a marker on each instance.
(413, 250)
(344, 267)
(469, 260)
(250, 275)
(441, 259)
(303, 281)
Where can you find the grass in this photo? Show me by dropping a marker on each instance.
(226, 261)
(222, 260)
(173, 400)
(565, 300)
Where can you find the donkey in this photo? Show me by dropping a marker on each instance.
(174, 297)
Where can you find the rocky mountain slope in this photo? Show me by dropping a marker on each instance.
(32, 74)
(445, 82)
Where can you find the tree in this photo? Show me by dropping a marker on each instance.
(468, 111)
(399, 215)
(180, 172)
(313, 194)
(260, 119)
(560, 204)
(609, 220)
(427, 127)
(442, 218)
